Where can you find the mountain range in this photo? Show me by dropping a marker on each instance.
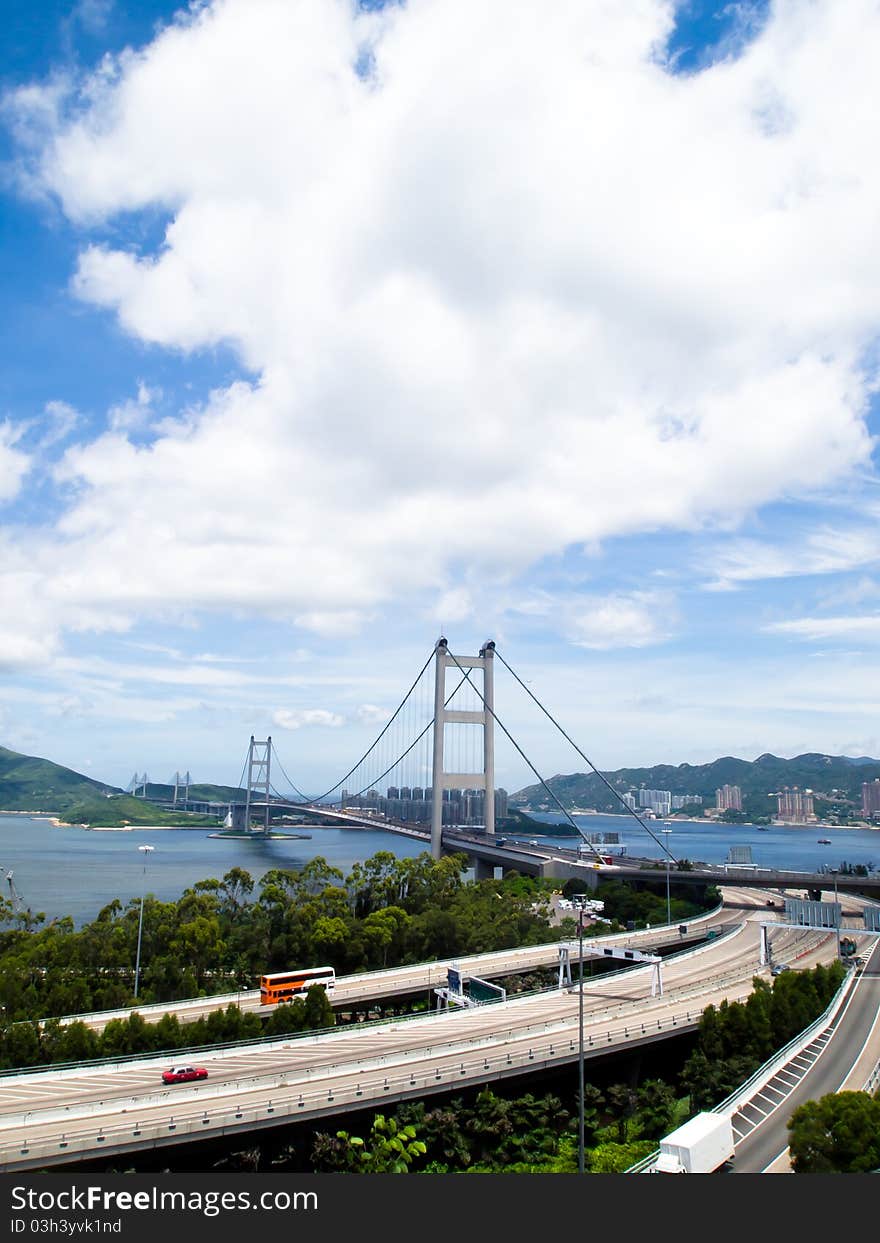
(29, 783)
(837, 778)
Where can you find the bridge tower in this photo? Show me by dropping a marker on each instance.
(443, 780)
(181, 783)
(259, 758)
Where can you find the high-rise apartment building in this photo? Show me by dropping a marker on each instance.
(871, 798)
(795, 805)
(685, 800)
(659, 801)
(729, 798)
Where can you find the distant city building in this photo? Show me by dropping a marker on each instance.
(685, 800)
(630, 800)
(729, 798)
(795, 805)
(657, 801)
(871, 798)
(413, 805)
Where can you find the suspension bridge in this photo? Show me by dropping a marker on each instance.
(429, 774)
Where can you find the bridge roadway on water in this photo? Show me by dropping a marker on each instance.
(560, 863)
(59, 1117)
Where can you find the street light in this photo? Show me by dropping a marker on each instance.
(836, 912)
(581, 1162)
(146, 851)
(668, 903)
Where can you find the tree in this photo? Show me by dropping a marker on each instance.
(838, 1134)
(656, 1108)
(623, 1100)
(616, 1158)
(389, 1149)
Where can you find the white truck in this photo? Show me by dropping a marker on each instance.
(702, 1145)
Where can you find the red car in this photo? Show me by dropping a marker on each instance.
(184, 1074)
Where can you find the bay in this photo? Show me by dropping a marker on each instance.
(773, 846)
(75, 871)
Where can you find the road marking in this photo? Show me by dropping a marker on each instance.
(758, 1109)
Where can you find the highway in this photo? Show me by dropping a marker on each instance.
(54, 1117)
(420, 977)
(844, 1063)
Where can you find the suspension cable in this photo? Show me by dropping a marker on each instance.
(295, 789)
(373, 745)
(403, 756)
(243, 767)
(552, 794)
(630, 811)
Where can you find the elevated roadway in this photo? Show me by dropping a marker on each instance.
(841, 1059)
(58, 1117)
(422, 977)
(561, 863)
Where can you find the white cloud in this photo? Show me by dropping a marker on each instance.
(135, 413)
(827, 550)
(865, 628)
(621, 621)
(371, 714)
(62, 419)
(92, 14)
(301, 718)
(520, 290)
(602, 623)
(14, 464)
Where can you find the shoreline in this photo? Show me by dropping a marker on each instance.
(706, 820)
(58, 823)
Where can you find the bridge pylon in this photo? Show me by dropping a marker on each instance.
(441, 779)
(258, 764)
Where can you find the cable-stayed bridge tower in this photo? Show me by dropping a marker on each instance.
(181, 784)
(485, 716)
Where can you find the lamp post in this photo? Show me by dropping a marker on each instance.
(667, 833)
(836, 912)
(146, 851)
(581, 1036)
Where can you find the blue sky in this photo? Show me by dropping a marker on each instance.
(326, 326)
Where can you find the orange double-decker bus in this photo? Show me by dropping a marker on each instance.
(285, 985)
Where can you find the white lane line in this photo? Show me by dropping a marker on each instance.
(758, 1109)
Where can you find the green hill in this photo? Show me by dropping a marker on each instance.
(28, 783)
(835, 778)
(201, 793)
(126, 809)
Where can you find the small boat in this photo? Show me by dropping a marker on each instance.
(824, 841)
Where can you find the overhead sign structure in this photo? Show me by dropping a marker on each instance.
(468, 990)
(812, 914)
(568, 951)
